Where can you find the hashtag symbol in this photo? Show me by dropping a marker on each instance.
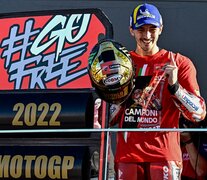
(18, 42)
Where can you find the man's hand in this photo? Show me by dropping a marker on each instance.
(171, 71)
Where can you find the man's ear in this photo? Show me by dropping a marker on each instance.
(161, 28)
(131, 31)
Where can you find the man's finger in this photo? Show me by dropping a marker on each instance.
(172, 58)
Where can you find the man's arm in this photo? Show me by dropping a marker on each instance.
(192, 105)
(198, 162)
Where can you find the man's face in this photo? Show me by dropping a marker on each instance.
(146, 38)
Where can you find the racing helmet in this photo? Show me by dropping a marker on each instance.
(111, 71)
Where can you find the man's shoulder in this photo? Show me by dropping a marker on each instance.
(183, 60)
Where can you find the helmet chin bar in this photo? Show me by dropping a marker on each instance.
(116, 96)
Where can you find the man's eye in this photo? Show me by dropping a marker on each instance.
(153, 29)
(140, 30)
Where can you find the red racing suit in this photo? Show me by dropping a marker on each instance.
(155, 104)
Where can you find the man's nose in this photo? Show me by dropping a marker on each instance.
(147, 34)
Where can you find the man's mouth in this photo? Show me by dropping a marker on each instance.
(146, 41)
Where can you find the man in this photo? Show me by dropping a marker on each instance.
(165, 87)
(194, 151)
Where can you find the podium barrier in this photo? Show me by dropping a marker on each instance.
(65, 157)
(33, 138)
